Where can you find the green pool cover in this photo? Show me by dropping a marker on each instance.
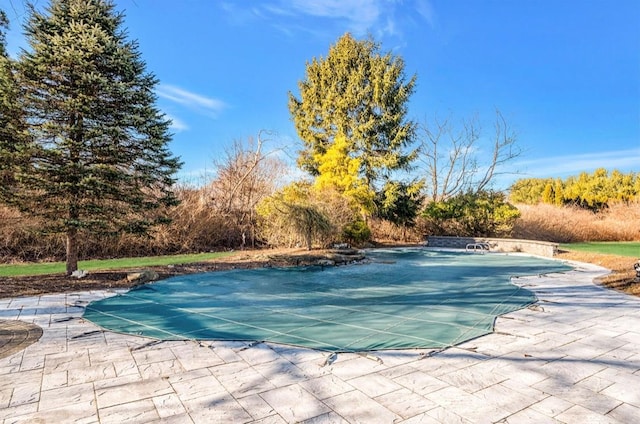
(403, 298)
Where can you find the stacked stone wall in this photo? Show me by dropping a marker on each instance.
(534, 247)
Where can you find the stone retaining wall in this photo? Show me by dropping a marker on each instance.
(540, 248)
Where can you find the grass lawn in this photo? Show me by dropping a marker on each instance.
(16, 270)
(609, 248)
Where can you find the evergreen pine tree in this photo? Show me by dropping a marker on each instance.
(360, 94)
(12, 125)
(100, 161)
(558, 192)
(356, 98)
(548, 195)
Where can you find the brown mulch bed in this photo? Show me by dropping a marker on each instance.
(98, 280)
(621, 278)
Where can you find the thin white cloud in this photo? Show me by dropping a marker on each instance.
(425, 9)
(562, 166)
(276, 10)
(177, 124)
(191, 100)
(360, 17)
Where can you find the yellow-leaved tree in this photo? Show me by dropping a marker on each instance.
(340, 171)
(351, 116)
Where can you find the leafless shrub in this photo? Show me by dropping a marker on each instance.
(21, 239)
(246, 175)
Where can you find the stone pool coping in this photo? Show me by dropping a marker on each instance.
(544, 249)
(572, 357)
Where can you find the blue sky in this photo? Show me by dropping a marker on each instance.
(564, 73)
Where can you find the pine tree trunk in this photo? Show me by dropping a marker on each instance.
(72, 251)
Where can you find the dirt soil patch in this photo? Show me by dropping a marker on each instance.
(621, 278)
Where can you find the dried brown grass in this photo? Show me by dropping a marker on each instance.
(21, 239)
(618, 222)
(195, 227)
(567, 224)
(622, 273)
(386, 232)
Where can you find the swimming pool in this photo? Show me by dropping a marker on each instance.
(403, 298)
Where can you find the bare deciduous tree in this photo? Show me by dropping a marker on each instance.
(448, 155)
(244, 176)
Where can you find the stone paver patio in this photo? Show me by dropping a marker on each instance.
(574, 357)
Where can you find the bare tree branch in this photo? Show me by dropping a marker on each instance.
(459, 169)
(504, 150)
(244, 176)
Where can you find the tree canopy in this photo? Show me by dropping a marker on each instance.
(361, 94)
(339, 171)
(98, 159)
(351, 117)
(449, 155)
(591, 191)
(12, 136)
(479, 213)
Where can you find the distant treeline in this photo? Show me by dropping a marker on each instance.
(590, 191)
